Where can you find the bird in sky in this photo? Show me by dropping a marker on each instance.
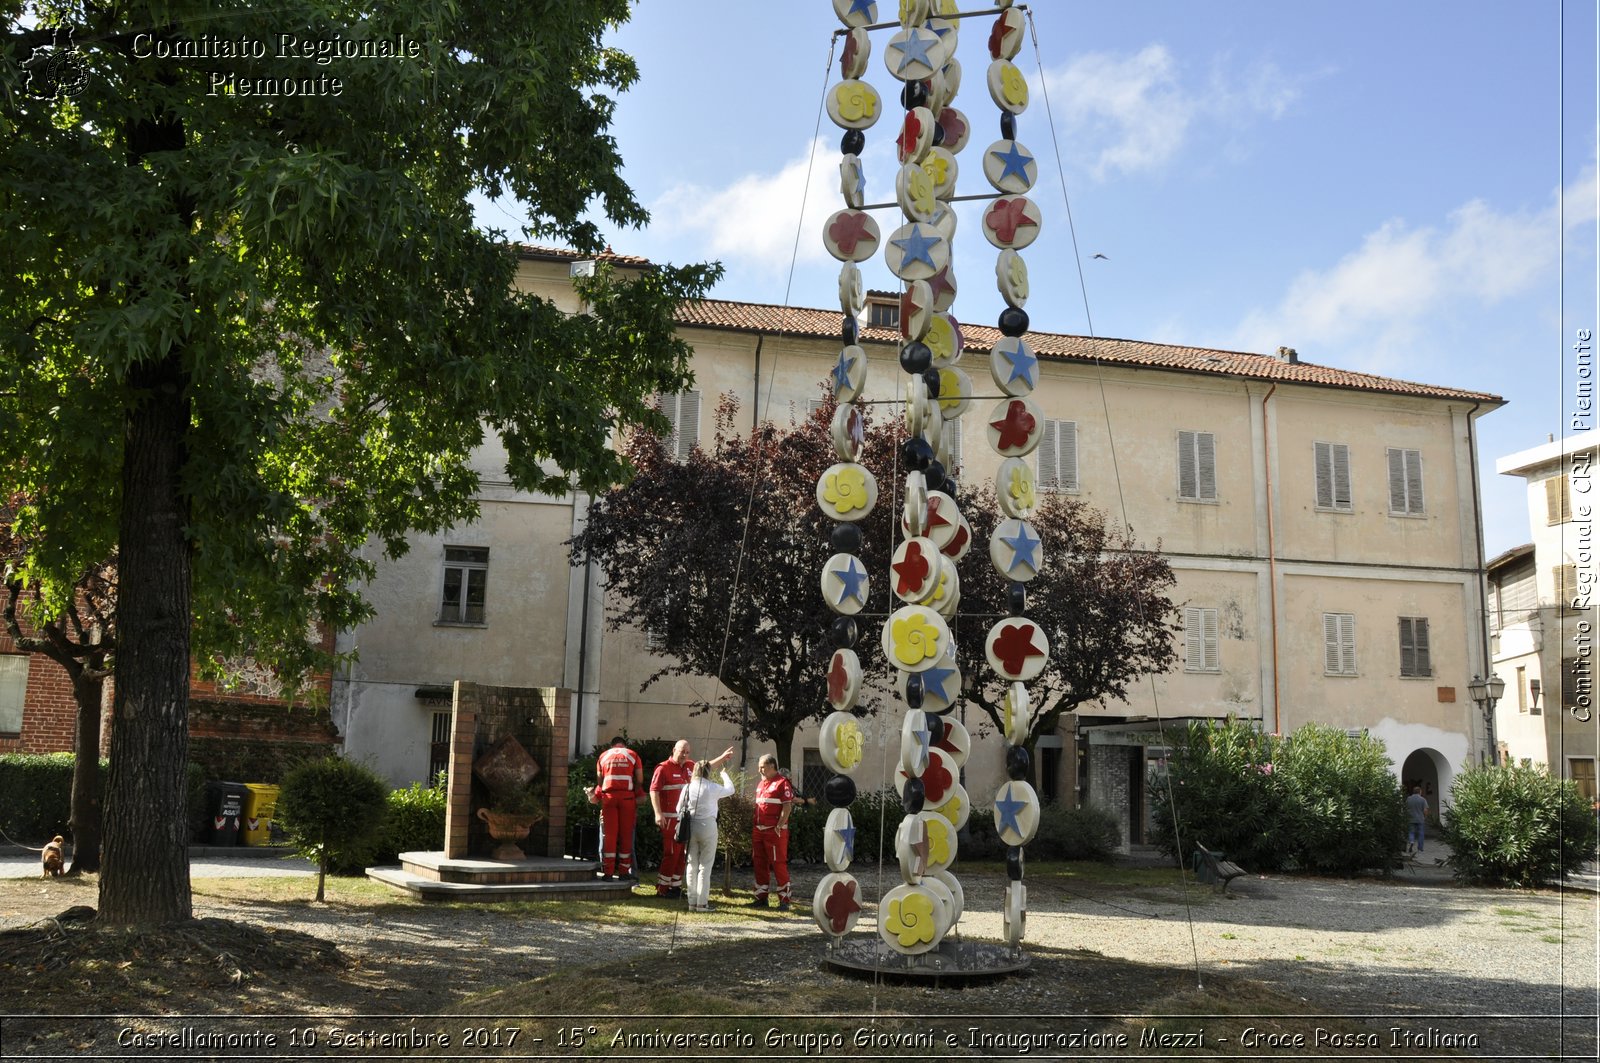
(1099, 255)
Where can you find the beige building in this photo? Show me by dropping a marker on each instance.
(1323, 526)
(1542, 614)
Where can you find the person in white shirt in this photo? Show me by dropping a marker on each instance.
(700, 800)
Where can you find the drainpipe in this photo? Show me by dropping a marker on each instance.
(1480, 579)
(1272, 558)
(755, 390)
(583, 660)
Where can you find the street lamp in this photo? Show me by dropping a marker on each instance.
(1485, 694)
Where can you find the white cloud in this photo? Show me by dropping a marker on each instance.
(1385, 292)
(1135, 112)
(751, 222)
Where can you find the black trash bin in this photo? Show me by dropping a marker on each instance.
(225, 811)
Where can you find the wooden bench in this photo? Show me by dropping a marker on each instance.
(1210, 867)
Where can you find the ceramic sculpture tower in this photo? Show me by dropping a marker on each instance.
(915, 916)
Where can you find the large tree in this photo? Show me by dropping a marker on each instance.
(247, 328)
(719, 557)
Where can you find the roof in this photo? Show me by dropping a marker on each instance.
(1509, 557)
(562, 254)
(807, 322)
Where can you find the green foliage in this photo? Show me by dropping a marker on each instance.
(1319, 800)
(877, 815)
(1517, 825)
(414, 821)
(35, 795)
(333, 812)
(1345, 806)
(1086, 833)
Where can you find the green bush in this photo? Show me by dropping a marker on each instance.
(1517, 825)
(1227, 792)
(1346, 811)
(1086, 833)
(333, 812)
(414, 821)
(35, 796)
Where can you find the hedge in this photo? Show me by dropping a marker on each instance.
(1517, 825)
(36, 795)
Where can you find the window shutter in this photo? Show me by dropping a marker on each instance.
(1324, 453)
(1211, 662)
(1347, 643)
(1419, 626)
(1330, 643)
(1414, 655)
(1049, 474)
(1341, 476)
(686, 425)
(1339, 643)
(1194, 640)
(1207, 459)
(1397, 481)
(1187, 474)
(1067, 455)
(1413, 481)
(1558, 509)
(1566, 581)
(952, 442)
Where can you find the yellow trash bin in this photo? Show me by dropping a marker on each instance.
(259, 806)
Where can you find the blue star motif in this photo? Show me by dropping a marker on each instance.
(1023, 364)
(923, 737)
(1008, 810)
(847, 835)
(854, 580)
(933, 681)
(864, 7)
(841, 371)
(1015, 161)
(1025, 547)
(915, 49)
(917, 247)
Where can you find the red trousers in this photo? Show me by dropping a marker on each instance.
(771, 847)
(674, 854)
(617, 814)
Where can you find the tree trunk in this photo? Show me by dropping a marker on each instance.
(145, 880)
(86, 692)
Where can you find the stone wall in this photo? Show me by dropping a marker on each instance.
(539, 718)
(1108, 786)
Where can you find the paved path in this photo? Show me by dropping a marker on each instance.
(204, 862)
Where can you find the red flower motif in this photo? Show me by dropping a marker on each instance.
(913, 570)
(954, 127)
(935, 518)
(910, 134)
(838, 679)
(1015, 427)
(953, 547)
(1015, 646)
(840, 906)
(940, 283)
(1006, 216)
(848, 56)
(936, 781)
(998, 35)
(848, 230)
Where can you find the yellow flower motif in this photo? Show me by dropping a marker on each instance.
(945, 8)
(911, 919)
(919, 189)
(939, 852)
(846, 489)
(849, 739)
(915, 640)
(937, 170)
(1014, 86)
(941, 341)
(857, 100)
(938, 590)
(1021, 488)
(949, 384)
(1019, 276)
(951, 809)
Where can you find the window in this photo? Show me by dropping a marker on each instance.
(439, 746)
(1583, 777)
(1200, 640)
(1405, 482)
(1058, 456)
(1414, 657)
(1333, 476)
(683, 410)
(1565, 578)
(883, 315)
(1522, 690)
(1197, 466)
(466, 576)
(952, 442)
(813, 405)
(1339, 643)
(1557, 500)
(13, 690)
(813, 773)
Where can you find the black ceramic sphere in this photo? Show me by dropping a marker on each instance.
(935, 729)
(1008, 126)
(938, 134)
(849, 331)
(1017, 598)
(845, 632)
(914, 690)
(854, 140)
(932, 379)
(915, 94)
(916, 453)
(846, 538)
(1017, 762)
(1014, 863)
(913, 796)
(916, 357)
(934, 474)
(839, 791)
(1013, 321)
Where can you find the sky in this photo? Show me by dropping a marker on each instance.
(1402, 189)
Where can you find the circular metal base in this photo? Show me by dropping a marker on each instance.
(958, 961)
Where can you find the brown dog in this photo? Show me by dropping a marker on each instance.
(54, 860)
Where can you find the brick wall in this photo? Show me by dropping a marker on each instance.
(1108, 785)
(49, 713)
(541, 719)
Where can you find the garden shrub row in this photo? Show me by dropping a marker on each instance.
(1517, 825)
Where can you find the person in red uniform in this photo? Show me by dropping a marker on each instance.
(620, 778)
(666, 785)
(770, 839)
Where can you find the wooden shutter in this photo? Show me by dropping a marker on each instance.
(952, 442)
(1565, 578)
(1339, 643)
(1557, 502)
(1200, 640)
(1188, 472)
(1414, 654)
(1206, 458)
(1049, 473)
(1405, 481)
(1058, 456)
(1333, 475)
(685, 423)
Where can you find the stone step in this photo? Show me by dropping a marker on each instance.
(435, 890)
(436, 867)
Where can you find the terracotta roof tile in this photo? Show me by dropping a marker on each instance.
(806, 321)
(563, 254)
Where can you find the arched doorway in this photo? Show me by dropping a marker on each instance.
(1429, 769)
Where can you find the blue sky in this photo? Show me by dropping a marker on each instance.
(1380, 186)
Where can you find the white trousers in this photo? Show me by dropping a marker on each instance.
(702, 853)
